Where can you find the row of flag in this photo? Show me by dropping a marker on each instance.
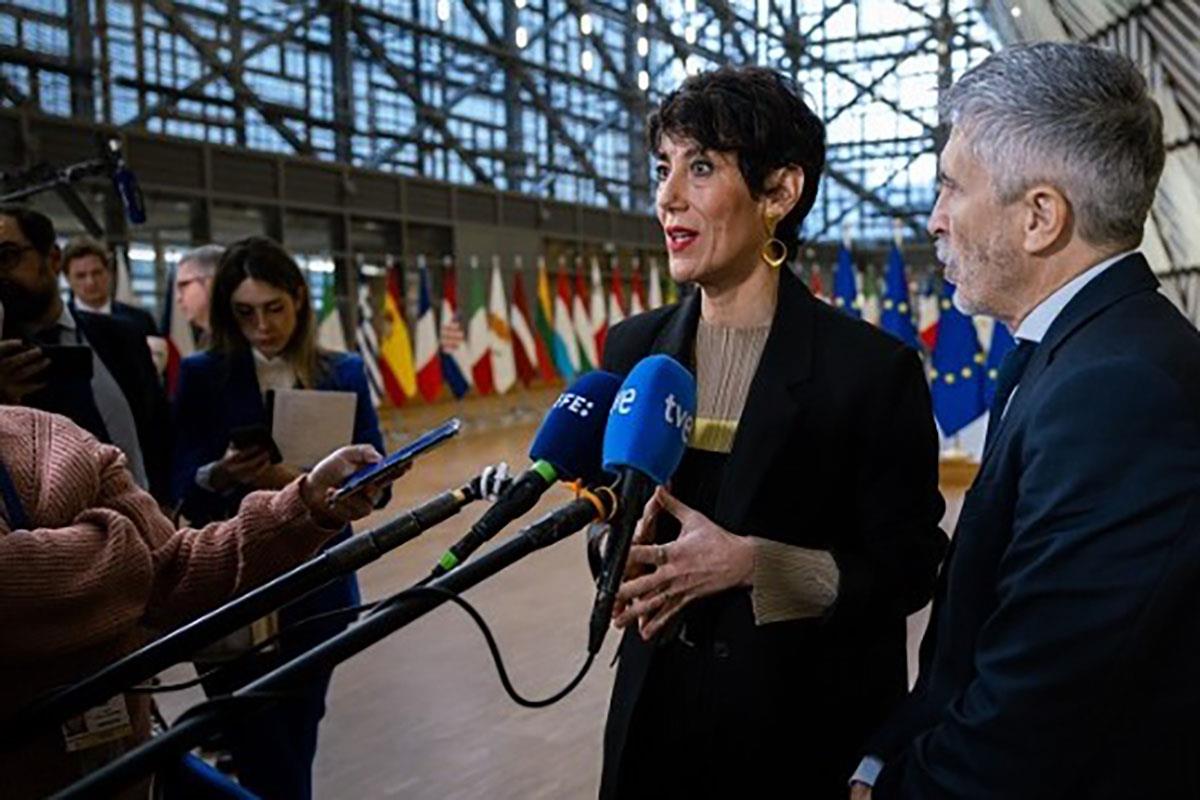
(491, 340)
(962, 374)
(913, 321)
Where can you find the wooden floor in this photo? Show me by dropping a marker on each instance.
(422, 714)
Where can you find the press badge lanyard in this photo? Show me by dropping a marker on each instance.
(14, 511)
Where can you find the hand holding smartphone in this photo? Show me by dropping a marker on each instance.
(250, 436)
(391, 467)
(22, 370)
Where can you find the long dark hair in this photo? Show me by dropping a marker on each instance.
(265, 260)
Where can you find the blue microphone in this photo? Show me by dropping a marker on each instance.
(571, 436)
(648, 430)
(567, 447)
(125, 183)
(130, 192)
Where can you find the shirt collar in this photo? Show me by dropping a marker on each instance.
(103, 308)
(1035, 325)
(273, 362)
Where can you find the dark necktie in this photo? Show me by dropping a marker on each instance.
(1011, 369)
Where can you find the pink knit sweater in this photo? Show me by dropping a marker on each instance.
(102, 568)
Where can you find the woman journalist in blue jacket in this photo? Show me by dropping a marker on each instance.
(263, 339)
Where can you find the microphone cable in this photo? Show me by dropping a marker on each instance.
(472, 612)
(287, 630)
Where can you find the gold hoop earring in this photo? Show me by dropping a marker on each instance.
(774, 252)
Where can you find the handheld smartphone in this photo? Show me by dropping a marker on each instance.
(248, 436)
(389, 468)
(68, 363)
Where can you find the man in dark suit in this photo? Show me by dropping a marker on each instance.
(119, 399)
(1063, 650)
(90, 274)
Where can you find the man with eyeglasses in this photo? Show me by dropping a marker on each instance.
(193, 288)
(121, 401)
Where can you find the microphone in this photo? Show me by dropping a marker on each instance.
(567, 447)
(648, 431)
(199, 724)
(179, 644)
(130, 192)
(126, 184)
(597, 505)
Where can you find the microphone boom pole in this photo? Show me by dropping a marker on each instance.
(387, 619)
(356, 552)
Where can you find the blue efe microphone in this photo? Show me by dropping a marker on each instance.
(566, 447)
(571, 436)
(648, 430)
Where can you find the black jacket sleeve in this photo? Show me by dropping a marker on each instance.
(890, 564)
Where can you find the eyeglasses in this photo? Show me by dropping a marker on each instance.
(11, 255)
(182, 284)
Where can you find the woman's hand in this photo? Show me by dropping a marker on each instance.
(704, 560)
(319, 485)
(643, 534)
(240, 467)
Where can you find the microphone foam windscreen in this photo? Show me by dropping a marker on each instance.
(572, 432)
(652, 418)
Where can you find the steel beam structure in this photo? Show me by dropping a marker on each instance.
(540, 96)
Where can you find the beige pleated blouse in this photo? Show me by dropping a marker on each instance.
(789, 582)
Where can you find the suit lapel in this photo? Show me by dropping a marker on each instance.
(777, 396)
(677, 338)
(1128, 276)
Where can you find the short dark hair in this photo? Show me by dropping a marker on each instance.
(758, 114)
(82, 246)
(34, 226)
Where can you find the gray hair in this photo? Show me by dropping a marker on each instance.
(206, 257)
(1071, 115)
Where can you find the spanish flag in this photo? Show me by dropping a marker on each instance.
(395, 350)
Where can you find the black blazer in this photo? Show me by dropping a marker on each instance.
(1063, 659)
(836, 450)
(139, 318)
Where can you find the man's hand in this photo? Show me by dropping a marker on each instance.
(319, 485)
(860, 791)
(704, 560)
(20, 366)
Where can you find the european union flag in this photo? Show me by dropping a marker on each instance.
(1002, 342)
(845, 287)
(897, 318)
(956, 373)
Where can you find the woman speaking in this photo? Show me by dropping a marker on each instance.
(764, 607)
